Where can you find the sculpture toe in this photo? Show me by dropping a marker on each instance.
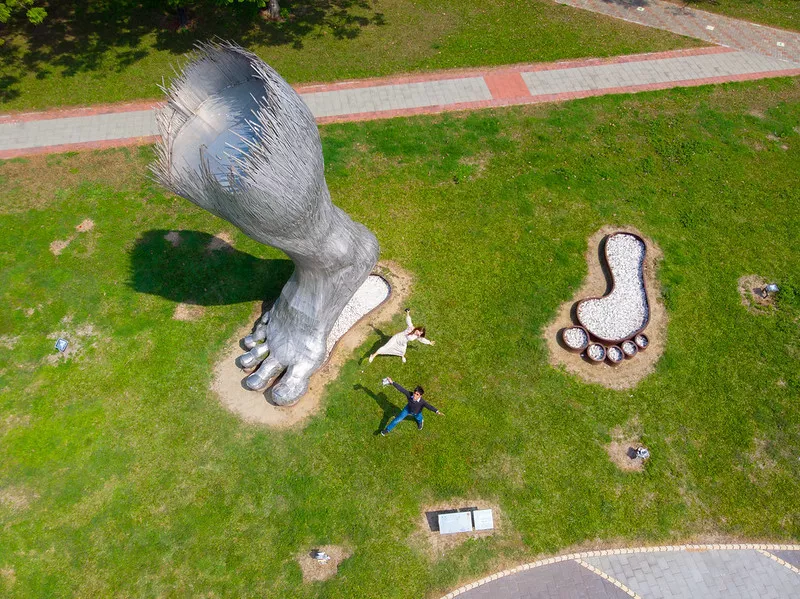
(256, 337)
(261, 377)
(292, 386)
(254, 356)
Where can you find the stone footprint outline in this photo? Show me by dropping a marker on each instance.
(618, 318)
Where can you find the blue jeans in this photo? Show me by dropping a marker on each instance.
(399, 418)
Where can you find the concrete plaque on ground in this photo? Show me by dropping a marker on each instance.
(457, 522)
(483, 519)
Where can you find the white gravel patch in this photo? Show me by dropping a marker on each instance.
(596, 352)
(641, 340)
(369, 296)
(575, 338)
(629, 348)
(624, 311)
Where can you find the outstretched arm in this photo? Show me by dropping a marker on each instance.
(426, 341)
(401, 389)
(409, 324)
(425, 404)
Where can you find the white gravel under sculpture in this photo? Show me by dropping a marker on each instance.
(368, 297)
(623, 312)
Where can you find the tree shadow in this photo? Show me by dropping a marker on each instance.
(7, 90)
(389, 409)
(87, 36)
(187, 271)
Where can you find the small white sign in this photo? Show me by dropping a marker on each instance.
(457, 522)
(710, 27)
(61, 344)
(640, 9)
(483, 519)
(781, 44)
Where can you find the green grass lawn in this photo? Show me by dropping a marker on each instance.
(121, 474)
(89, 52)
(778, 13)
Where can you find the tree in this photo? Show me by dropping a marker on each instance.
(35, 14)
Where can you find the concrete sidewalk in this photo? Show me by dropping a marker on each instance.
(675, 572)
(750, 52)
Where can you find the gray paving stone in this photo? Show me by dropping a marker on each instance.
(656, 71)
(403, 95)
(565, 580)
(684, 20)
(730, 574)
(792, 557)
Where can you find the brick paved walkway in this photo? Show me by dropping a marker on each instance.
(753, 52)
(98, 127)
(685, 572)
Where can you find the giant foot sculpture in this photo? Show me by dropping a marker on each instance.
(237, 140)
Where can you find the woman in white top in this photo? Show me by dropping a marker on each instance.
(396, 346)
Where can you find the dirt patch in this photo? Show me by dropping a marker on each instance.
(188, 312)
(86, 225)
(762, 464)
(35, 180)
(436, 545)
(60, 245)
(629, 372)
(624, 442)
(174, 238)
(478, 161)
(9, 575)
(31, 311)
(13, 421)
(8, 342)
(220, 242)
(78, 338)
(750, 287)
(314, 570)
(254, 407)
(16, 499)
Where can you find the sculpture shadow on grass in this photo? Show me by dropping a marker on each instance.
(186, 270)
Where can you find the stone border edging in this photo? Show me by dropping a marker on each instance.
(629, 550)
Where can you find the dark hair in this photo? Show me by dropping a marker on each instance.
(420, 389)
(421, 331)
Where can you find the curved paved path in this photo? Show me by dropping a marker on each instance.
(700, 24)
(674, 572)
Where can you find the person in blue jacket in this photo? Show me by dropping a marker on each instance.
(413, 407)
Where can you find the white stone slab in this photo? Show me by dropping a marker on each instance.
(458, 522)
(483, 519)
